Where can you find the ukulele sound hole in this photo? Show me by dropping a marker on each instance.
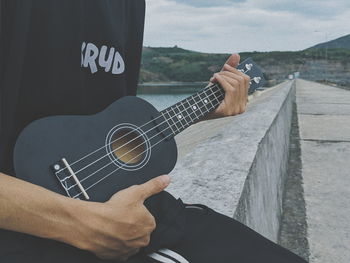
(128, 146)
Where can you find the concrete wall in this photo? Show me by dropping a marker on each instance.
(260, 206)
(237, 165)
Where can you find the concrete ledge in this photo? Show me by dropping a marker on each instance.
(237, 165)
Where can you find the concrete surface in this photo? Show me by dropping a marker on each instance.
(325, 127)
(324, 122)
(293, 226)
(290, 184)
(237, 165)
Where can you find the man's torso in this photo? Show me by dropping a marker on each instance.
(62, 57)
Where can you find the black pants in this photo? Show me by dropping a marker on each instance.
(197, 234)
(184, 234)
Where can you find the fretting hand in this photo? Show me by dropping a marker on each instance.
(236, 85)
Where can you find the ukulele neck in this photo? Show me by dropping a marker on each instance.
(188, 111)
(192, 109)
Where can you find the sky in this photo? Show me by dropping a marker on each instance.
(227, 26)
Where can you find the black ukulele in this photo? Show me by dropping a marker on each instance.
(130, 142)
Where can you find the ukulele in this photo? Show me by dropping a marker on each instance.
(129, 143)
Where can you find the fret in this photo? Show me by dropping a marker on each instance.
(210, 100)
(185, 109)
(194, 107)
(190, 110)
(221, 96)
(204, 100)
(193, 115)
(172, 122)
(178, 116)
(217, 95)
(199, 104)
(167, 121)
(182, 116)
(221, 93)
(216, 98)
(175, 119)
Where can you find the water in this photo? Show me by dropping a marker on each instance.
(163, 96)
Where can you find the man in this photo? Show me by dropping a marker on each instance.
(62, 57)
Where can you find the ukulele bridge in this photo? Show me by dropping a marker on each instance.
(68, 179)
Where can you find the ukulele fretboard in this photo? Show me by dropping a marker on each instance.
(190, 110)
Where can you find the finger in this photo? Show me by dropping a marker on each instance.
(152, 187)
(233, 60)
(233, 96)
(236, 71)
(230, 94)
(227, 67)
(228, 73)
(237, 82)
(235, 76)
(241, 98)
(245, 84)
(242, 89)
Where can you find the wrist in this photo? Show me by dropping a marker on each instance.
(66, 220)
(79, 220)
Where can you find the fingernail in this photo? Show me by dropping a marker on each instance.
(165, 179)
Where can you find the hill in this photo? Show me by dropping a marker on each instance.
(342, 42)
(179, 65)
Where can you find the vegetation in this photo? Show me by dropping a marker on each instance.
(176, 64)
(342, 42)
(170, 64)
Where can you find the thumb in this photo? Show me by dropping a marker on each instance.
(153, 186)
(233, 60)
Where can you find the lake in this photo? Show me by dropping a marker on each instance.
(164, 95)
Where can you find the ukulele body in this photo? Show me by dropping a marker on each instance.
(43, 144)
(46, 141)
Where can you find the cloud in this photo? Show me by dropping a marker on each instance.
(318, 8)
(324, 9)
(208, 3)
(229, 25)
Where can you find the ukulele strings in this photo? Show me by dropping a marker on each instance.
(185, 109)
(120, 147)
(179, 121)
(105, 177)
(87, 177)
(84, 157)
(157, 134)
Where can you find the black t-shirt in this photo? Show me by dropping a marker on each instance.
(61, 57)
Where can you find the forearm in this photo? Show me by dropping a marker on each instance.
(31, 209)
(115, 229)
